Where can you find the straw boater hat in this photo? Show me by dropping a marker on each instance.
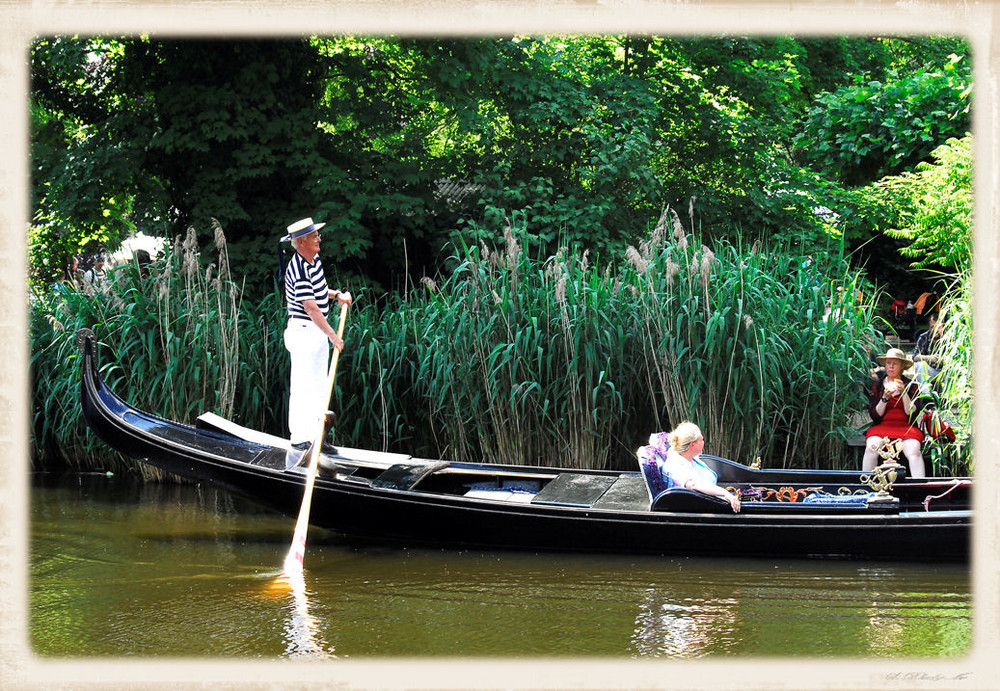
(895, 354)
(300, 228)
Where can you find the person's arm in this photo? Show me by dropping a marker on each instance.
(924, 351)
(907, 401)
(314, 312)
(932, 359)
(343, 297)
(715, 491)
(877, 402)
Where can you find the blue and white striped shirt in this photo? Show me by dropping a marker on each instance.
(305, 281)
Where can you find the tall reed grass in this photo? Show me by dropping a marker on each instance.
(177, 342)
(955, 387)
(512, 359)
(508, 358)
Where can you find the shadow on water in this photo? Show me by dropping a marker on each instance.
(122, 568)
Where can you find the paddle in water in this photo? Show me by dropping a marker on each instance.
(296, 553)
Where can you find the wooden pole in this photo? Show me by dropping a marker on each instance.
(296, 553)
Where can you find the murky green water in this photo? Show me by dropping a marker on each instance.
(124, 569)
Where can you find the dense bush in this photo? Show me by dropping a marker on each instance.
(510, 358)
(872, 129)
(176, 342)
(519, 360)
(933, 206)
(955, 388)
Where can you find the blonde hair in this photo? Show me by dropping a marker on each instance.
(683, 435)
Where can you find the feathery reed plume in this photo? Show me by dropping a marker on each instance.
(672, 269)
(560, 292)
(640, 264)
(660, 230)
(190, 255)
(57, 325)
(694, 265)
(220, 246)
(707, 259)
(513, 249)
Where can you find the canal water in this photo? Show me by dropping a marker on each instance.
(123, 568)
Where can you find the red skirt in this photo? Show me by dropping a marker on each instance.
(895, 424)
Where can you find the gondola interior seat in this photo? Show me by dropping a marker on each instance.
(663, 497)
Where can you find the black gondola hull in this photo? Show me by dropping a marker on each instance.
(620, 521)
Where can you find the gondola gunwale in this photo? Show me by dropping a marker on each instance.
(108, 415)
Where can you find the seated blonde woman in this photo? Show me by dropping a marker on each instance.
(678, 455)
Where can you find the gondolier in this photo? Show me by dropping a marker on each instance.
(307, 334)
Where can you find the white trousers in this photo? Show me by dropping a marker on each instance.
(309, 349)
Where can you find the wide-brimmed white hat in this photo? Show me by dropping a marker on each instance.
(300, 228)
(895, 354)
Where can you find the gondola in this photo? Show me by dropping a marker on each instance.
(396, 498)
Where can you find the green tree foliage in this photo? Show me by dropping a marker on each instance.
(228, 131)
(885, 124)
(933, 206)
(81, 193)
(592, 134)
(872, 129)
(166, 134)
(400, 144)
(395, 145)
(574, 146)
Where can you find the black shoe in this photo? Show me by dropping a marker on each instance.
(327, 448)
(295, 454)
(298, 454)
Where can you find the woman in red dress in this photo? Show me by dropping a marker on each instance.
(893, 403)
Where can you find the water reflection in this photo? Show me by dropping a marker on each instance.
(894, 601)
(688, 629)
(884, 631)
(302, 633)
(117, 570)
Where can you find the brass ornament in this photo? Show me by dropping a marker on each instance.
(882, 479)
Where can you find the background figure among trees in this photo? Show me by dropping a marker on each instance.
(72, 274)
(95, 278)
(928, 362)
